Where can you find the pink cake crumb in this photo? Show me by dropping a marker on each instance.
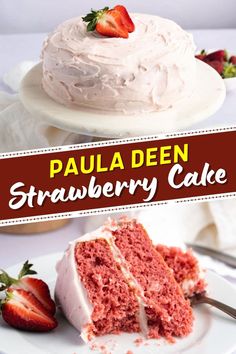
(138, 341)
(129, 352)
(102, 348)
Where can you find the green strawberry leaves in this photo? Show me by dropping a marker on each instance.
(93, 17)
(26, 270)
(6, 281)
(229, 71)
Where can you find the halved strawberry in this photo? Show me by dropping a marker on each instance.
(39, 289)
(126, 19)
(36, 286)
(111, 25)
(218, 55)
(22, 310)
(107, 23)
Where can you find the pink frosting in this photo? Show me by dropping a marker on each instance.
(150, 71)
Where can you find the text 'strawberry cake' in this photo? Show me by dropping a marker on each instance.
(186, 269)
(114, 280)
(149, 71)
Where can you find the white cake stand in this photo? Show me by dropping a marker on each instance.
(208, 96)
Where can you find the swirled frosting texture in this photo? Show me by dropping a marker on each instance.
(149, 71)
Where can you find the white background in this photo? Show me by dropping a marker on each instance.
(20, 16)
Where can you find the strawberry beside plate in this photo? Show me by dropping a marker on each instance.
(224, 63)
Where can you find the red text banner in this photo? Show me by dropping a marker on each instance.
(116, 175)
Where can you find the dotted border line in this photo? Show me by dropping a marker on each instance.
(114, 209)
(113, 142)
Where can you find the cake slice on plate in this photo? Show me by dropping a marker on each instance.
(114, 280)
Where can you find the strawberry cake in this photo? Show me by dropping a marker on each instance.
(110, 61)
(115, 280)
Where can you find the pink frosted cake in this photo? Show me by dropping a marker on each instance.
(114, 280)
(149, 71)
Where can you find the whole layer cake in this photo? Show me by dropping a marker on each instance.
(115, 280)
(149, 71)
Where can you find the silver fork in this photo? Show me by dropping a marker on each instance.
(203, 299)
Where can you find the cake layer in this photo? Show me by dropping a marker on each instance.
(115, 306)
(168, 313)
(150, 71)
(186, 269)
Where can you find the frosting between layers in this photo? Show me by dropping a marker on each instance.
(149, 71)
(71, 294)
(188, 285)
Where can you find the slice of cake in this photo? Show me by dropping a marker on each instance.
(166, 311)
(186, 269)
(114, 280)
(149, 71)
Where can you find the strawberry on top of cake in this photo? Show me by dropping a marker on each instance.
(115, 280)
(111, 23)
(113, 61)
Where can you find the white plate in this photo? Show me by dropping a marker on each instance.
(213, 331)
(207, 98)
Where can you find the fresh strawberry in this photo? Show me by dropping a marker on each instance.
(219, 55)
(35, 286)
(39, 289)
(22, 310)
(111, 25)
(217, 65)
(200, 56)
(107, 23)
(128, 23)
(232, 59)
